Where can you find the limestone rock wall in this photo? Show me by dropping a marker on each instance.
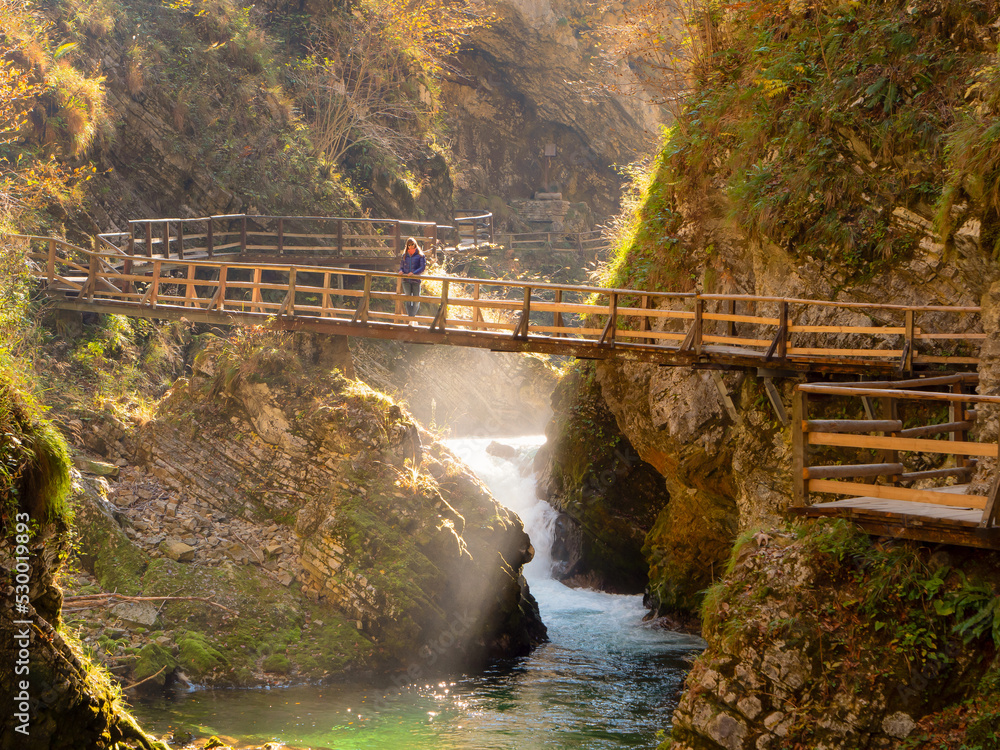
(824, 639)
(388, 527)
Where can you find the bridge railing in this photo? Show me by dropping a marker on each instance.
(474, 228)
(905, 437)
(588, 243)
(788, 329)
(278, 236)
(800, 334)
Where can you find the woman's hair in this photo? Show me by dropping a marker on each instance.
(415, 244)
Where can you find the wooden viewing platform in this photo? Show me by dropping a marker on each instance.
(250, 270)
(897, 486)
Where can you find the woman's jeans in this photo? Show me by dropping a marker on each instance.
(411, 288)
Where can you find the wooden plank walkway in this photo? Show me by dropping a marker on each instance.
(892, 507)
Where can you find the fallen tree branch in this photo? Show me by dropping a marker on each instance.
(137, 684)
(86, 601)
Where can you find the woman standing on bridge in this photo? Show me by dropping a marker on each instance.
(412, 264)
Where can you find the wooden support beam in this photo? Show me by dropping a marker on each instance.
(442, 314)
(779, 346)
(361, 314)
(992, 508)
(727, 401)
(955, 428)
(852, 471)
(854, 425)
(521, 330)
(775, 398)
(219, 300)
(955, 471)
(288, 304)
(608, 334)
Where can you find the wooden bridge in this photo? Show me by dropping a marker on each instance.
(317, 274)
(325, 275)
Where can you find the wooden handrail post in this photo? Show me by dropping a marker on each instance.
(92, 266)
(800, 414)
(281, 236)
(211, 237)
(180, 239)
(340, 236)
(220, 293)
(699, 323)
(397, 246)
(890, 411)
(189, 291)
(325, 299)
(729, 326)
(956, 411)
(127, 271)
(557, 318)
(908, 323)
(491, 228)
(255, 298)
(644, 324)
(166, 239)
(149, 239)
(243, 234)
(782, 329)
(50, 265)
(398, 311)
(289, 307)
(131, 240)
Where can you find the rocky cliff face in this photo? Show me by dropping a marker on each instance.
(823, 638)
(528, 81)
(312, 499)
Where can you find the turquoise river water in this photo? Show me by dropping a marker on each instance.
(605, 679)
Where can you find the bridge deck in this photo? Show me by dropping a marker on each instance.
(901, 519)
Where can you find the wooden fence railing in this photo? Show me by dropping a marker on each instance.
(581, 242)
(744, 330)
(887, 449)
(292, 236)
(474, 228)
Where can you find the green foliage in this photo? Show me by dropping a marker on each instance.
(817, 125)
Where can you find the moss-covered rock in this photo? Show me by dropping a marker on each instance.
(62, 688)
